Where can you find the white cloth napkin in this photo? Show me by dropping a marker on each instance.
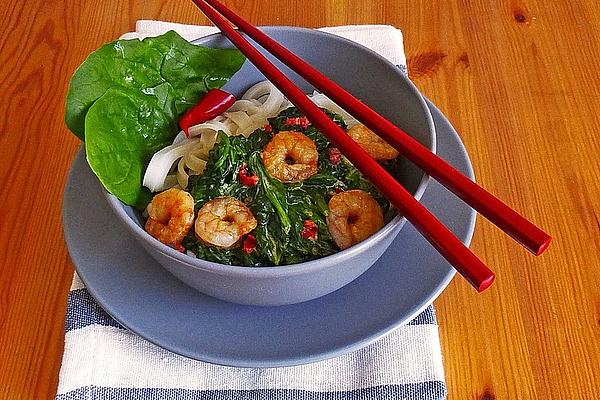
(384, 39)
(102, 360)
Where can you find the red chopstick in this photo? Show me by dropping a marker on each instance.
(519, 228)
(457, 254)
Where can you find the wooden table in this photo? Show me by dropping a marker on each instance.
(518, 79)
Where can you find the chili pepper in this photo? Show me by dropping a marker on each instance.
(213, 104)
(268, 128)
(246, 178)
(310, 230)
(179, 248)
(300, 121)
(249, 244)
(338, 190)
(335, 155)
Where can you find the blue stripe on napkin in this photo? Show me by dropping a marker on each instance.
(426, 317)
(412, 391)
(82, 311)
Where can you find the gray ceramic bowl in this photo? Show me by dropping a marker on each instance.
(372, 79)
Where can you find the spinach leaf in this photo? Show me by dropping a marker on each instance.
(220, 178)
(126, 97)
(125, 129)
(271, 212)
(167, 67)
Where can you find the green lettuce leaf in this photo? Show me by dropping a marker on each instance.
(125, 128)
(125, 100)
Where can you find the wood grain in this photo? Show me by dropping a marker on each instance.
(519, 81)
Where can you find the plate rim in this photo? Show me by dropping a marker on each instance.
(300, 359)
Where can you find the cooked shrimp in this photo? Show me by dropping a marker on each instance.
(223, 221)
(290, 157)
(353, 216)
(170, 216)
(375, 146)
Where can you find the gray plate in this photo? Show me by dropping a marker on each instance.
(137, 292)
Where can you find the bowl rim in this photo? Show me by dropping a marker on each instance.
(307, 266)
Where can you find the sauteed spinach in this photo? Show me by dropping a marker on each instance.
(281, 209)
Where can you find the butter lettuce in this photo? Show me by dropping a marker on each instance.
(125, 100)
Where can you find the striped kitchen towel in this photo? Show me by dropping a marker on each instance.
(102, 360)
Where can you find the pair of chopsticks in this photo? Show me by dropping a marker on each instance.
(450, 247)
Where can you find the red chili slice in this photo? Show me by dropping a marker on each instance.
(179, 248)
(246, 178)
(268, 128)
(335, 155)
(300, 121)
(213, 104)
(249, 244)
(310, 230)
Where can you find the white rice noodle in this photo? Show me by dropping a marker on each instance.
(190, 164)
(259, 90)
(161, 163)
(221, 123)
(194, 161)
(325, 102)
(260, 102)
(250, 105)
(240, 118)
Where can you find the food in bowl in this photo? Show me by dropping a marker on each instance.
(255, 185)
(392, 95)
(278, 194)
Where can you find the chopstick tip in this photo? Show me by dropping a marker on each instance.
(486, 283)
(543, 246)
